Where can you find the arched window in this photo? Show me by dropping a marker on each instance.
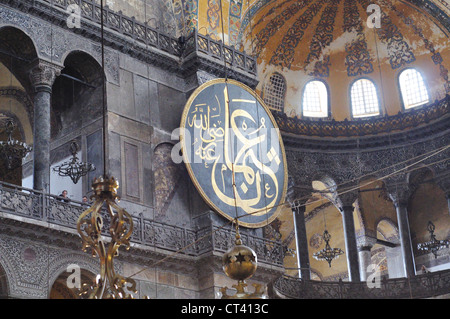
(315, 99)
(413, 89)
(364, 99)
(274, 92)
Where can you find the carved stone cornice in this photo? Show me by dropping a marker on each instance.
(43, 74)
(362, 128)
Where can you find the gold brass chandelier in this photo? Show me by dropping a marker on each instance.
(109, 285)
(90, 224)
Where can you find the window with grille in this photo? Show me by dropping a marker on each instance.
(315, 99)
(412, 86)
(364, 99)
(274, 92)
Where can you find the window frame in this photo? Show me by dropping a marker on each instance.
(266, 82)
(328, 99)
(402, 98)
(364, 117)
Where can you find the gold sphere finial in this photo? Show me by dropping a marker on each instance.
(104, 186)
(239, 262)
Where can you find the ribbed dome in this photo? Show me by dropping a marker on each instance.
(331, 41)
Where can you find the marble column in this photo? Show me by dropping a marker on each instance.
(298, 208)
(365, 244)
(42, 75)
(365, 259)
(399, 194)
(351, 250)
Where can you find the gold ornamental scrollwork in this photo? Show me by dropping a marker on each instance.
(234, 153)
(109, 284)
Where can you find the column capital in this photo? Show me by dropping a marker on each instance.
(43, 74)
(365, 242)
(347, 198)
(297, 196)
(399, 193)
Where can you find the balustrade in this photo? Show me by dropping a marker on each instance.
(422, 286)
(55, 210)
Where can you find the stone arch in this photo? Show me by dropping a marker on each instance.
(77, 93)
(58, 270)
(388, 229)
(17, 52)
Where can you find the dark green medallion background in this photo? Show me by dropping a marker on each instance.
(219, 138)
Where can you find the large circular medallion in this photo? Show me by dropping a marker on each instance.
(233, 152)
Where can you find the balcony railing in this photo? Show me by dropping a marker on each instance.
(42, 207)
(154, 37)
(427, 285)
(363, 127)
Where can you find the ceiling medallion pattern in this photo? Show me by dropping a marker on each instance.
(272, 10)
(285, 52)
(435, 55)
(358, 60)
(275, 24)
(323, 37)
(399, 51)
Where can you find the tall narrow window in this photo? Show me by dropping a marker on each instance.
(315, 99)
(274, 92)
(364, 99)
(412, 86)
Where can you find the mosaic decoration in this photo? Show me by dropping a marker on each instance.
(178, 15)
(323, 37)
(167, 175)
(272, 10)
(435, 56)
(250, 13)
(275, 24)
(358, 60)
(398, 49)
(213, 15)
(322, 68)
(191, 15)
(315, 241)
(285, 52)
(234, 21)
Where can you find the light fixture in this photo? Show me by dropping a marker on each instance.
(12, 150)
(328, 253)
(240, 263)
(433, 245)
(108, 284)
(73, 168)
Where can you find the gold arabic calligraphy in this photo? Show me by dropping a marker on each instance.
(210, 138)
